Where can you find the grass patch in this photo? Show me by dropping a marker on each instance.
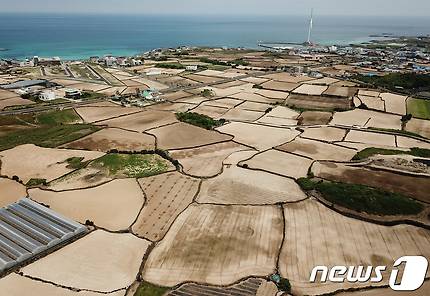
(48, 137)
(396, 132)
(76, 163)
(58, 117)
(148, 289)
(362, 198)
(36, 182)
(199, 120)
(368, 152)
(419, 108)
(132, 165)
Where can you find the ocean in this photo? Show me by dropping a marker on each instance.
(81, 36)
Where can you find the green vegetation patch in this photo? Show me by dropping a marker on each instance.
(171, 66)
(36, 182)
(48, 137)
(199, 120)
(76, 163)
(398, 81)
(58, 117)
(368, 152)
(397, 132)
(419, 108)
(132, 165)
(148, 289)
(363, 198)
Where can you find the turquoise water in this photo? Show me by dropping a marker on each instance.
(82, 36)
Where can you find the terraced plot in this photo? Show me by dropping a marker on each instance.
(84, 178)
(205, 161)
(328, 134)
(167, 195)
(316, 235)
(78, 265)
(374, 103)
(285, 77)
(419, 126)
(366, 118)
(314, 118)
(411, 143)
(95, 114)
(394, 103)
(142, 121)
(217, 245)
(280, 86)
(112, 138)
(318, 150)
(338, 91)
(253, 134)
(11, 192)
(312, 90)
(238, 114)
(14, 102)
(281, 163)
(371, 138)
(181, 135)
(240, 186)
(112, 206)
(40, 163)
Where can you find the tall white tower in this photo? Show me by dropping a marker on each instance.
(311, 24)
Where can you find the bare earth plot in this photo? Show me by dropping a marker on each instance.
(114, 205)
(328, 134)
(366, 118)
(167, 195)
(142, 121)
(176, 95)
(316, 235)
(205, 161)
(375, 103)
(11, 192)
(238, 114)
(323, 81)
(275, 96)
(371, 138)
(281, 86)
(16, 285)
(411, 143)
(369, 93)
(84, 178)
(412, 186)
(253, 97)
(211, 111)
(112, 138)
(79, 264)
(258, 136)
(40, 163)
(308, 89)
(241, 186)
(14, 102)
(94, 114)
(419, 126)
(314, 117)
(280, 116)
(254, 106)
(394, 103)
(172, 107)
(318, 102)
(318, 150)
(338, 91)
(5, 94)
(181, 135)
(224, 103)
(281, 163)
(285, 77)
(151, 83)
(217, 245)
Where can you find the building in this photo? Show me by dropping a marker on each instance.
(55, 61)
(47, 95)
(191, 68)
(72, 93)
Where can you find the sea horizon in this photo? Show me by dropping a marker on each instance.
(79, 36)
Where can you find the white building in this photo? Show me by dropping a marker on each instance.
(191, 68)
(47, 95)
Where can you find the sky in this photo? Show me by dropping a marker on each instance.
(223, 7)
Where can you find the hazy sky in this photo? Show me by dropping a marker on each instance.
(243, 7)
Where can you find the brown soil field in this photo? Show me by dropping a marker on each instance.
(317, 102)
(237, 157)
(281, 163)
(151, 83)
(172, 107)
(205, 161)
(329, 134)
(249, 287)
(90, 86)
(112, 138)
(93, 114)
(285, 77)
(142, 121)
(40, 163)
(338, 91)
(217, 245)
(375, 103)
(318, 150)
(394, 103)
(238, 114)
(14, 102)
(241, 186)
(176, 95)
(323, 81)
(210, 111)
(410, 143)
(167, 195)
(277, 96)
(369, 93)
(366, 118)
(181, 135)
(16, 285)
(113, 206)
(112, 90)
(283, 112)
(277, 121)
(5, 94)
(80, 179)
(253, 97)
(203, 79)
(281, 86)
(11, 192)
(230, 84)
(371, 138)
(254, 80)
(223, 103)
(314, 118)
(79, 264)
(316, 235)
(419, 126)
(252, 134)
(413, 186)
(195, 100)
(309, 89)
(253, 106)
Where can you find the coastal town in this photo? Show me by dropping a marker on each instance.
(214, 171)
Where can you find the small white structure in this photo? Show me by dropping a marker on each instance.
(191, 68)
(72, 93)
(47, 95)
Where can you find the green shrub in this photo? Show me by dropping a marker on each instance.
(199, 120)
